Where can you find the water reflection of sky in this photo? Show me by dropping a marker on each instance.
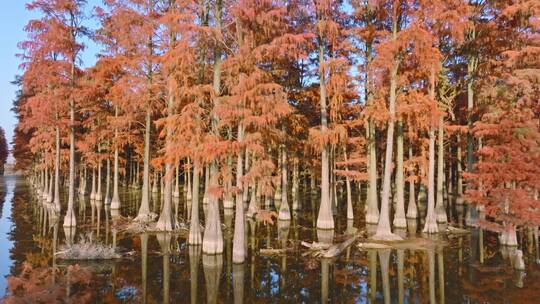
(127, 293)
(7, 185)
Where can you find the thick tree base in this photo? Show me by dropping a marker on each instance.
(325, 236)
(228, 203)
(325, 223)
(400, 222)
(412, 215)
(165, 224)
(508, 238)
(431, 227)
(145, 217)
(284, 213)
(70, 219)
(212, 260)
(372, 218)
(441, 218)
(115, 213)
(57, 207)
(115, 204)
(212, 245)
(194, 236)
(519, 263)
(69, 233)
(238, 257)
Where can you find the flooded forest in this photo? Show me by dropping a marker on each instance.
(261, 151)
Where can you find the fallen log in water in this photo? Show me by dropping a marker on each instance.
(336, 250)
(326, 250)
(373, 246)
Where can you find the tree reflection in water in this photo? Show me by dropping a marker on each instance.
(469, 267)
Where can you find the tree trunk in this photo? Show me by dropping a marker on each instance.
(194, 237)
(412, 211)
(325, 219)
(372, 211)
(439, 207)
(213, 238)
(115, 202)
(57, 206)
(333, 182)
(228, 200)
(206, 184)
(284, 211)
(312, 183)
(239, 241)
(430, 225)
(50, 188)
(81, 182)
(144, 209)
(384, 231)
(98, 196)
(296, 185)
(108, 182)
(69, 219)
(471, 67)
(189, 177)
(277, 192)
(459, 177)
(176, 192)
(399, 216)
(93, 190)
(253, 201)
(350, 211)
(166, 222)
(245, 194)
(155, 188)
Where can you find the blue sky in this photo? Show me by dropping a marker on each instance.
(13, 18)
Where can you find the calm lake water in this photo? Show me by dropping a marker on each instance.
(161, 268)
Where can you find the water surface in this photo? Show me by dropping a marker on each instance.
(161, 268)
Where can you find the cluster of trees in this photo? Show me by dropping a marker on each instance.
(249, 102)
(4, 151)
